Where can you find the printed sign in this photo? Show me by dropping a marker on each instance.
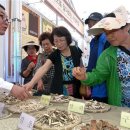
(45, 99)
(76, 107)
(125, 119)
(26, 122)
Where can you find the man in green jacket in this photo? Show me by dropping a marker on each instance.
(113, 64)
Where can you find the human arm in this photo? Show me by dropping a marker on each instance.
(98, 75)
(79, 73)
(20, 92)
(40, 62)
(38, 75)
(40, 85)
(15, 90)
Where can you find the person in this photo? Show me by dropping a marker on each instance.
(29, 62)
(97, 45)
(6, 87)
(64, 58)
(114, 63)
(43, 85)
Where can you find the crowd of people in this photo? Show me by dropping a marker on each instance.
(113, 64)
(59, 68)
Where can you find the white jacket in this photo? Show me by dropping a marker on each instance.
(5, 87)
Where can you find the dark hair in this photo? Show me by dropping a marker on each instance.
(61, 32)
(110, 15)
(114, 16)
(43, 36)
(26, 47)
(1, 6)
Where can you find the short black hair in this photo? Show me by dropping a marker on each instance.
(43, 36)
(1, 6)
(110, 15)
(61, 32)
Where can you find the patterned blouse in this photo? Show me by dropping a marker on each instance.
(123, 68)
(47, 78)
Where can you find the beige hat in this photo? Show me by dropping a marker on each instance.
(31, 43)
(109, 23)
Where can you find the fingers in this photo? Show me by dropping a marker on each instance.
(23, 94)
(28, 87)
(75, 71)
(20, 92)
(78, 71)
(40, 87)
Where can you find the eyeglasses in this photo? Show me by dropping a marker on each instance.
(5, 18)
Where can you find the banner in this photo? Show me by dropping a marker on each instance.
(47, 26)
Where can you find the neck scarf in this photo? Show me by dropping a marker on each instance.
(32, 58)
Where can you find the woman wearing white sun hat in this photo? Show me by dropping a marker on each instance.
(29, 62)
(114, 63)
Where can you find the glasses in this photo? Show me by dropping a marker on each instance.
(59, 41)
(4, 18)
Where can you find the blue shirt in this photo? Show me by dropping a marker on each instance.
(97, 45)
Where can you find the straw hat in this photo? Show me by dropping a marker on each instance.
(109, 23)
(31, 43)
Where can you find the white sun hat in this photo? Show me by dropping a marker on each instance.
(30, 43)
(110, 23)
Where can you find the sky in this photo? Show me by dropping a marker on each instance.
(85, 7)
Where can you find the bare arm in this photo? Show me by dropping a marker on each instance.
(38, 75)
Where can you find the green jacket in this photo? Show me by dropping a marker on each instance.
(106, 69)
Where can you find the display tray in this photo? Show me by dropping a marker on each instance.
(60, 98)
(97, 125)
(95, 106)
(9, 100)
(56, 120)
(5, 114)
(27, 106)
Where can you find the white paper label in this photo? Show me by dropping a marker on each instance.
(76, 107)
(26, 122)
(125, 119)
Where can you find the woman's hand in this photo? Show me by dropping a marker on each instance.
(79, 73)
(28, 86)
(40, 85)
(20, 92)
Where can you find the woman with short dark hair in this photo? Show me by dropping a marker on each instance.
(43, 85)
(64, 58)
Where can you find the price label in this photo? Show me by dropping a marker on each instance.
(45, 99)
(2, 106)
(26, 122)
(76, 107)
(125, 119)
